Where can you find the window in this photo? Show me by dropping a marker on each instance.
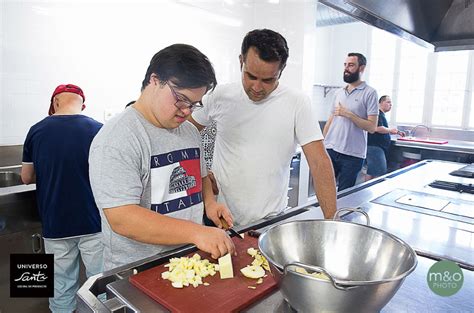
(411, 85)
(382, 63)
(471, 119)
(450, 88)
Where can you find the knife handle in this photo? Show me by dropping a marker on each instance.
(224, 223)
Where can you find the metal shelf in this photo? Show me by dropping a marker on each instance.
(327, 88)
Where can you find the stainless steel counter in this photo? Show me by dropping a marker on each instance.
(458, 146)
(442, 234)
(14, 188)
(414, 296)
(434, 233)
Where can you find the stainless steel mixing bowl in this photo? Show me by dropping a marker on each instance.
(365, 265)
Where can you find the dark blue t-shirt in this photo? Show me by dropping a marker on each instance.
(58, 146)
(378, 139)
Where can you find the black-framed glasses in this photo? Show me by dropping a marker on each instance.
(183, 103)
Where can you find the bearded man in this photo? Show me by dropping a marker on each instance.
(354, 114)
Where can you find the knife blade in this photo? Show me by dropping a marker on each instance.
(230, 229)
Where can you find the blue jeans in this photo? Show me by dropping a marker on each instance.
(376, 161)
(346, 168)
(66, 267)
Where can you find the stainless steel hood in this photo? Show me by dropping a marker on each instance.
(442, 25)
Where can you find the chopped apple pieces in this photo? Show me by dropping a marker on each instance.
(256, 270)
(253, 271)
(259, 259)
(225, 267)
(314, 274)
(252, 251)
(190, 271)
(185, 271)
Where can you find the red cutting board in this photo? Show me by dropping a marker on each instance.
(424, 140)
(222, 295)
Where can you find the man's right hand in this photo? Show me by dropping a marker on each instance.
(341, 110)
(215, 241)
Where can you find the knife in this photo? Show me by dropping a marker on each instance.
(231, 230)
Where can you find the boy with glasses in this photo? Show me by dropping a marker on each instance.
(147, 170)
(259, 124)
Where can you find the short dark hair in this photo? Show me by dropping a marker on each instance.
(382, 98)
(360, 57)
(270, 45)
(184, 65)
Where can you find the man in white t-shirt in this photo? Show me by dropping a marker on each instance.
(259, 124)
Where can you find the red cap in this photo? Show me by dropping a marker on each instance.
(65, 88)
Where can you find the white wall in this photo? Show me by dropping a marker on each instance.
(333, 43)
(295, 20)
(105, 46)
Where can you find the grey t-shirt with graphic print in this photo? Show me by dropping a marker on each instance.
(133, 162)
